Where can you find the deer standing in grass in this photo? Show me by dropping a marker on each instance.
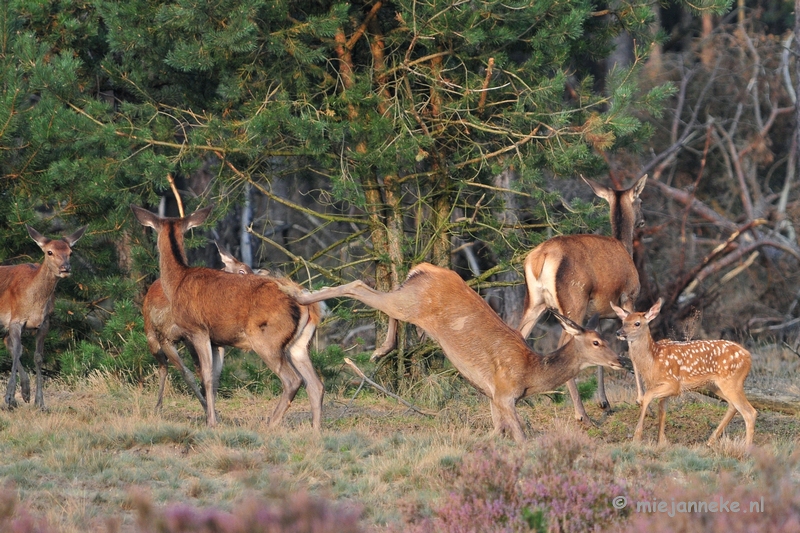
(162, 332)
(27, 297)
(671, 367)
(578, 275)
(489, 354)
(248, 312)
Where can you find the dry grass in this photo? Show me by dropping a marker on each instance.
(79, 463)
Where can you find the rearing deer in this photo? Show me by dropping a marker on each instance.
(27, 296)
(247, 312)
(490, 355)
(579, 274)
(671, 367)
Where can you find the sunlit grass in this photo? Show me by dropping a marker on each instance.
(78, 462)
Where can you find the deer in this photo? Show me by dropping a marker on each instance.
(162, 332)
(488, 353)
(671, 367)
(27, 298)
(212, 307)
(579, 274)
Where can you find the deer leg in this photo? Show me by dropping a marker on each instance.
(38, 359)
(506, 419)
(637, 433)
(602, 400)
(572, 387)
(737, 401)
(727, 417)
(217, 358)
(639, 387)
(291, 381)
(390, 342)
(298, 355)
(24, 383)
(660, 391)
(162, 378)
(202, 344)
(530, 317)
(392, 303)
(662, 421)
(172, 354)
(14, 344)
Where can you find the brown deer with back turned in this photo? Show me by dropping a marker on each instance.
(671, 367)
(247, 312)
(578, 275)
(488, 353)
(162, 333)
(27, 297)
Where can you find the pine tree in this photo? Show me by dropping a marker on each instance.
(408, 111)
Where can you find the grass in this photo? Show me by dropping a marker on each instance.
(99, 447)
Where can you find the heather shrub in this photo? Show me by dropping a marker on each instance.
(564, 486)
(15, 518)
(295, 513)
(773, 493)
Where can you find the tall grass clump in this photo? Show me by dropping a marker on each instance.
(564, 486)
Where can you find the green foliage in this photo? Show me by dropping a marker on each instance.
(102, 100)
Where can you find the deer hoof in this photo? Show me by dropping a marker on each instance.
(11, 403)
(604, 405)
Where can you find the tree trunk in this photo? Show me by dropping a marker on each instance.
(509, 301)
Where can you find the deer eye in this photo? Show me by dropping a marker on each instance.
(595, 343)
(637, 323)
(49, 252)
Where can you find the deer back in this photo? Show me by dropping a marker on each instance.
(471, 334)
(695, 363)
(572, 269)
(233, 265)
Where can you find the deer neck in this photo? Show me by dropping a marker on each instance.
(555, 368)
(44, 284)
(622, 227)
(643, 352)
(171, 259)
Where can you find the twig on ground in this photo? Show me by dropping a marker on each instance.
(363, 376)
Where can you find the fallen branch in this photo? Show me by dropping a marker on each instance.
(363, 376)
(765, 400)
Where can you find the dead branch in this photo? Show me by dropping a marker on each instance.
(698, 208)
(363, 376)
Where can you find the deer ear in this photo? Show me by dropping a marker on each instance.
(639, 187)
(593, 322)
(600, 190)
(621, 313)
(197, 218)
(145, 217)
(569, 326)
(227, 259)
(40, 239)
(653, 312)
(77, 234)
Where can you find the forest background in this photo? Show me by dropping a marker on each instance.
(353, 140)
